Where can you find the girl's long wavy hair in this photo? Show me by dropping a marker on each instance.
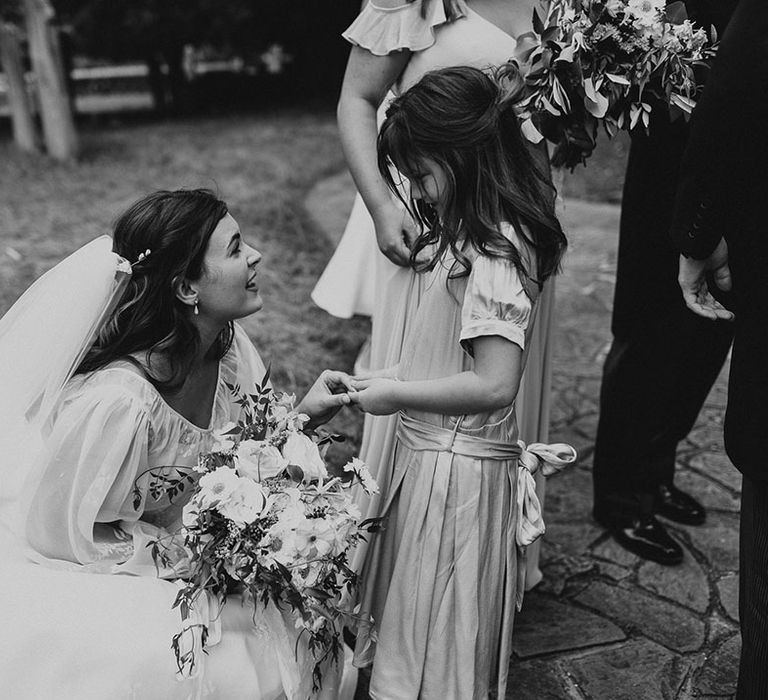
(464, 121)
(176, 227)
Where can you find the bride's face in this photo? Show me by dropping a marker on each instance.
(229, 289)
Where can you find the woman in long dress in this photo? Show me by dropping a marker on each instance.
(111, 369)
(441, 578)
(395, 42)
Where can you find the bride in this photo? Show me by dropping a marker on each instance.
(115, 362)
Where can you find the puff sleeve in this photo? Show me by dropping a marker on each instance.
(97, 446)
(381, 29)
(495, 303)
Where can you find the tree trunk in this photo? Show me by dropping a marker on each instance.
(58, 123)
(18, 99)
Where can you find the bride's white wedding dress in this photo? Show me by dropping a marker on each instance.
(84, 612)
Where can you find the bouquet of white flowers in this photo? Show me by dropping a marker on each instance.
(266, 520)
(592, 62)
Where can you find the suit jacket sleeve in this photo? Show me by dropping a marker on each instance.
(728, 140)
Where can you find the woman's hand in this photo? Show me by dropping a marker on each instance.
(326, 397)
(366, 82)
(396, 233)
(377, 396)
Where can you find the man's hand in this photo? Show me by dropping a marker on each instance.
(693, 283)
(326, 397)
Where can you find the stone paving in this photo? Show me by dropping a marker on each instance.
(604, 624)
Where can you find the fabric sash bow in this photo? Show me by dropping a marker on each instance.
(549, 459)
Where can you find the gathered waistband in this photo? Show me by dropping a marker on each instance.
(419, 435)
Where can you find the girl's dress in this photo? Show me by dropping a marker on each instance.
(87, 617)
(441, 579)
(359, 279)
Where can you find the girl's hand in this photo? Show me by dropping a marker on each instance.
(395, 233)
(376, 396)
(326, 396)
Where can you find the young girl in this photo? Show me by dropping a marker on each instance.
(442, 578)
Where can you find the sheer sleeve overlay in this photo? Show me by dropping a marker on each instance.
(90, 504)
(97, 446)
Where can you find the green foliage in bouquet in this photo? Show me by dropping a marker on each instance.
(264, 520)
(606, 62)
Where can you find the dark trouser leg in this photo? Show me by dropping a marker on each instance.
(652, 391)
(664, 359)
(753, 591)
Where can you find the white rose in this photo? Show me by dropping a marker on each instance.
(217, 486)
(247, 502)
(259, 460)
(300, 451)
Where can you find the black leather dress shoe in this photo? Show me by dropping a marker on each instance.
(649, 539)
(674, 504)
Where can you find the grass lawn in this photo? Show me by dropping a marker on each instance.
(262, 165)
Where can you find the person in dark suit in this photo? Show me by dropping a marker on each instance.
(663, 359)
(719, 226)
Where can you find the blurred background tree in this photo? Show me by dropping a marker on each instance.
(190, 55)
(35, 20)
(12, 62)
(158, 32)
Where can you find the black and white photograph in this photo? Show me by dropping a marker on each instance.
(383, 349)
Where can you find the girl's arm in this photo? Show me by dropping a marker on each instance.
(490, 385)
(366, 81)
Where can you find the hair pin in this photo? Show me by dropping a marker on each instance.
(142, 257)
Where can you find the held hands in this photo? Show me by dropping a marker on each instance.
(372, 393)
(693, 283)
(376, 395)
(396, 232)
(326, 397)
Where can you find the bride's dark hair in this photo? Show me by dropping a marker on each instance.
(465, 121)
(175, 226)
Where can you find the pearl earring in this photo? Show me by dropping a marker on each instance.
(196, 311)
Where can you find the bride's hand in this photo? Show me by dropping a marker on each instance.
(326, 397)
(395, 234)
